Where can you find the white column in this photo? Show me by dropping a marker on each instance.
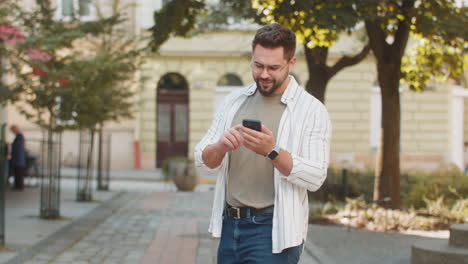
(375, 119)
(457, 126)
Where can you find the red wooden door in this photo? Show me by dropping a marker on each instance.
(172, 124)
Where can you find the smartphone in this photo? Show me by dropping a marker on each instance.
(252, 124)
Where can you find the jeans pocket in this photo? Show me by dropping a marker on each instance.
(264, 219)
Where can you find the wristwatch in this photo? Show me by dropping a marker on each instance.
(274, 153)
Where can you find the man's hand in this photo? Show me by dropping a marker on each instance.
(231, 139)
(213, 154)
(261, 143)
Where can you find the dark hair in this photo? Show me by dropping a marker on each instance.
(274, 36)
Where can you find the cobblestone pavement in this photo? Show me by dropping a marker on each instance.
(162, 227)
(152, 223)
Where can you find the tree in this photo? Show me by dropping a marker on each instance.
(102, 87)
(102, 94)
(9, 36)
(176, 18)
(389, 25)
(317, 25)
(39, 63)
(431, 60)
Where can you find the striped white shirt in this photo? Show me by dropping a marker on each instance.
(304, 131)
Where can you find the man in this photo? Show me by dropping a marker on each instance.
(18, 158)
(260, 208)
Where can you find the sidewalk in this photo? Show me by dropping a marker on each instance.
(135, 175)
(150, 222)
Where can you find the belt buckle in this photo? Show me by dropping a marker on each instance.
(237, 216)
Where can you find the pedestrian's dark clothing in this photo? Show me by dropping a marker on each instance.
(19, 173)
(18, 152)
(18, 161)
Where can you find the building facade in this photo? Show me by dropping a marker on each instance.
(180, 87)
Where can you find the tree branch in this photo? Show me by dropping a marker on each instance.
(347, 61)
(376, 37)
(316, 55)
(402, 34)
(401, 38)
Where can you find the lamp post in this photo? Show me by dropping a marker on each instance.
(3, 179)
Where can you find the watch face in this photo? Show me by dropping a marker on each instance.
(273, 155)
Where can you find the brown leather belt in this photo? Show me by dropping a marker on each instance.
(243, 212)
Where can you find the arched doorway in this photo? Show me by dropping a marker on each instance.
(172, 117)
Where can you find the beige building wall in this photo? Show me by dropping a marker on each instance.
(347, 96)
(348, 100)
(425, 125)
(202, 75)
(204, 59)
(465, 117)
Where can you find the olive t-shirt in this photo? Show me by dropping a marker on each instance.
(250, 181)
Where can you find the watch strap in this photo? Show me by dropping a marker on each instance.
(274, 153)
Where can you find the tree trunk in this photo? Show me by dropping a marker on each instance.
(317, 83)
(387, 181)
(89, 169)
(100, 185)
(50, 178)
(316, 59)
(389, 56)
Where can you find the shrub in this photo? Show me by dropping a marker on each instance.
(415, 186)
(360, 182)
(357, 213)
(447, 182)
(434, 200)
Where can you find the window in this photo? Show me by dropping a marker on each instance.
(230, 80)
(226, 84)
(81, 9)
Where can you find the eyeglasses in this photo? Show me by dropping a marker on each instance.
(271, 69)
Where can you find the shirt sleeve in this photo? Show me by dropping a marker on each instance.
(310, 167)
(212, 136)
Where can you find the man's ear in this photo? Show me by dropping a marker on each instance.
(292, 62)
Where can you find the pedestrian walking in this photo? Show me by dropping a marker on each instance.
(269, 143)
(18, 158)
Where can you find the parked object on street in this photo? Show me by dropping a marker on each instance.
(32, 170)
(181, 171)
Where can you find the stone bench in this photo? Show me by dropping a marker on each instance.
(441, 252)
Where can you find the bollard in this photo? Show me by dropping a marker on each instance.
(3, 179)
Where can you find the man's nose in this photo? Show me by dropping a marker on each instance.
(264, 72)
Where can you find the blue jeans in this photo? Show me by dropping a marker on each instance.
(248, 241)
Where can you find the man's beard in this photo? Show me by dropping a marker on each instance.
(268, 92)
(275, 86)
